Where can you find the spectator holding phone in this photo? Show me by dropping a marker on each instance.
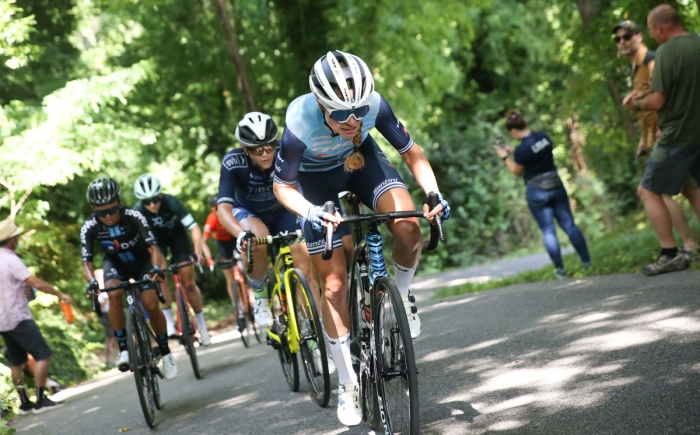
(545, 192)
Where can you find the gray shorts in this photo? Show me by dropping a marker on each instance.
(25, 339)
(669, 167)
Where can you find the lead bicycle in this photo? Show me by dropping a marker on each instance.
(296, 324)
(380, 335)
(143, 357)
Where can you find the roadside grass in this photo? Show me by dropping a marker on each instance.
(626, 249)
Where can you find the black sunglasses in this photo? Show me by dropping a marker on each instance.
(149, 201)
(108, 211)
(626, 37)
(261, 149)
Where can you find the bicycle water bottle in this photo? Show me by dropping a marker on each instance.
(67, 311)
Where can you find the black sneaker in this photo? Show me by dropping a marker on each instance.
(26, 408)
(46, 404)
(665, 264)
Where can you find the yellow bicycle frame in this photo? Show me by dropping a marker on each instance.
(284, 262)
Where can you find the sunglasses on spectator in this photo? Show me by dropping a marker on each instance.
(261, 149)
(149, 201)
(343, 116)
(626, 37)
(108, 211)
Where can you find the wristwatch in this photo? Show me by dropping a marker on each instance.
(635, 105)
(504, 158)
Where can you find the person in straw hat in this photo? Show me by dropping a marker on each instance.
(19, 331)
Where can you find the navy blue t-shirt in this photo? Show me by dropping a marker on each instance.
(535, 153)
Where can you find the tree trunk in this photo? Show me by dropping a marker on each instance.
(588, 9)
(230, 34)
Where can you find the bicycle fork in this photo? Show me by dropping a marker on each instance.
(288, 333)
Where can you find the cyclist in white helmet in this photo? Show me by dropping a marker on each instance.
(246, 203)
(170, 222)
(326, 148)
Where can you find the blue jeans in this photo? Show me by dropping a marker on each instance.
(545, 205)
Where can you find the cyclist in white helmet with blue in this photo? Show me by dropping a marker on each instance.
(326, 148)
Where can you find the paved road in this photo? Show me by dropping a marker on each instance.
(607, 355)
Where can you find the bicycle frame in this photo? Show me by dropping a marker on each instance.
(180, 292)
(284, 266)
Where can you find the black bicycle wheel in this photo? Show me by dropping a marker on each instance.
(155, 387)
(187, 333)
(288, 360)
(137, 343)
(360, 334)
(313, 344)
(242, 321)
(396, 365)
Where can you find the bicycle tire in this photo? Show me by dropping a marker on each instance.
(155, 387)
(398, 394)
(139, 350)
(288, 360)
(187, 333)
(319, 381)
(368, 384)
(237, 296)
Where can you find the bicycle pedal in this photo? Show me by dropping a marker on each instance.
(159, 373)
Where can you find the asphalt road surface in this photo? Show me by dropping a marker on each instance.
(607, 355)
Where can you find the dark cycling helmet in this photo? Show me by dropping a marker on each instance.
(256, 129)
(213, 200)
(103, 190)
(341, 71)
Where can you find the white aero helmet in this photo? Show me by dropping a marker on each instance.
(338, 71)
(256, 129)
(146, 186)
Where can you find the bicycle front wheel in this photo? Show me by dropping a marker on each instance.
(187, 332)
(241, 320)
(280, 325)
(139, 348)
(312, 344)
(397, 376)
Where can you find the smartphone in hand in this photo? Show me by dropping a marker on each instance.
(499, 142)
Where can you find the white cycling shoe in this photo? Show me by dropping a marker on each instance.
(204, 337)
(263, 315)
(349, 412)
(169, 367)
(412, 314)
(123, 361)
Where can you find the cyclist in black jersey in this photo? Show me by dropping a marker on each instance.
(170, 222)
(130, 251)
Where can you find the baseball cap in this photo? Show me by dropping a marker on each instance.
(627, 25)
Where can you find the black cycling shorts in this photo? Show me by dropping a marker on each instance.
(25, 339)
(180, 247)
(226, 248)
(115, 269)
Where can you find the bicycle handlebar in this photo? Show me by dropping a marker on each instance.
(123, 285)
(436, 233)
(281, 237)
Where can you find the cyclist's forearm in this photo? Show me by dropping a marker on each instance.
(420, 167)
(225, 214)
(88, 274)
(205, 248)
(291, 199)
(156, 256)
(197, 240)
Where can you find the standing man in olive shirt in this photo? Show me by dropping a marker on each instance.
(675, 95)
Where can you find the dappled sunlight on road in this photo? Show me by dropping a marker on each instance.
(593, 355)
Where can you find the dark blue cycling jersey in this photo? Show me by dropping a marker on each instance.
(243, 184)
(309, 145)
(535, 153)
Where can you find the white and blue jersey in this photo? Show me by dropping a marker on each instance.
(309, 145)
(244, 185)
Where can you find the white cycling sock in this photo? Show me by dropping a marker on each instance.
(340, 349)
(403, 277)
(201, 324)
(168, 313)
